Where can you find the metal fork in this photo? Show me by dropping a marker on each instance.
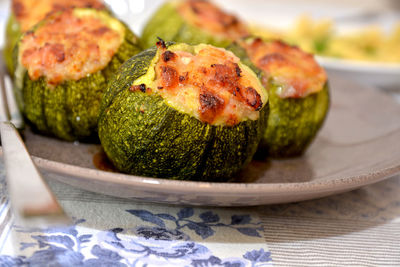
(32, 201)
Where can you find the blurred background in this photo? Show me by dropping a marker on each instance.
(279, 13)
(357, 39)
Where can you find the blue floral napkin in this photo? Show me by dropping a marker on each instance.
(109, 231)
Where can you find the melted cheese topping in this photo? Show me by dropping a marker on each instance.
(209, 84)
(70, 45)
(297, 72)
(28, 12)
(209, 17)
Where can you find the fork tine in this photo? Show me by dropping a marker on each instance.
(32, 201)
(15, 114)
(3, 101)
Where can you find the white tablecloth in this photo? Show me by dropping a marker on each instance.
(359, 228)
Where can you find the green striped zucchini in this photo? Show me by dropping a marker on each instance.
(69, 110)
(144, 134)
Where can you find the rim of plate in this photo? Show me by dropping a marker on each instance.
(199, 186)
(358, 65)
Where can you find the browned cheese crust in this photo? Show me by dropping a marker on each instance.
(297, 71)
(214, 77)
(68, 48)
(211, 18)
(29, 12)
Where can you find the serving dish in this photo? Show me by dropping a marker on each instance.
(358, 145)
(382, 75)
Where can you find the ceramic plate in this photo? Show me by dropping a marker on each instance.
(384, 75)
(358, 145)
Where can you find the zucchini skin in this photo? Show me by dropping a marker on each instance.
(70, 110)
(293, 122)
(142, 135)
(169, 25)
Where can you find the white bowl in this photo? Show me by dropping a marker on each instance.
(382, 75)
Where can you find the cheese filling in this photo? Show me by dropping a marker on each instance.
(206, 82)
(28, 12)
(295, 71)
(71, 45)
(210, 18)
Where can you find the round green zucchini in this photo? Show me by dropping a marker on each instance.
(169, 25)
(293, 122)
(70, 109)
(143, 134)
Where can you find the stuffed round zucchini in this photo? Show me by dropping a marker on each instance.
(193, 22)
(183, 112)
(63, 67)
(26, 13)
(298, 95)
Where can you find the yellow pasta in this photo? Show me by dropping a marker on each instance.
(321, 38)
